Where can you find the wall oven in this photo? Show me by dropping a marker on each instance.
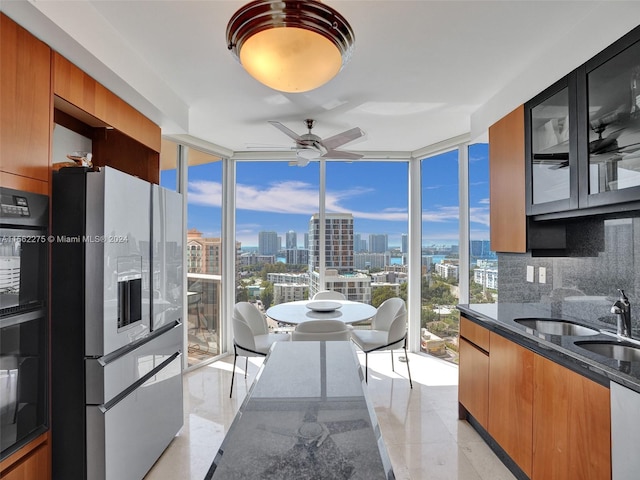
(24, 274)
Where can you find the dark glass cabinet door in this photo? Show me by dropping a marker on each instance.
(610, 139)
(551, 149)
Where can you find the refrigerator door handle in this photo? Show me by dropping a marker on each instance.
(105, 360)
(105, 407)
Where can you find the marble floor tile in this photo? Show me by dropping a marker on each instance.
(420, 426)
(485, 462)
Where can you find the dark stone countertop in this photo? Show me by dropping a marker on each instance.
(561, 349)
(306, 416)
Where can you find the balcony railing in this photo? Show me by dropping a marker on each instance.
(203, 325)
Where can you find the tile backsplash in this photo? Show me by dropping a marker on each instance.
(582, 287)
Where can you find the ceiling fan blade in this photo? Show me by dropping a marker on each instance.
(632, 147)
(342, 138)
(287, 131)
(559, 166)
(550, 157)
(342, 155)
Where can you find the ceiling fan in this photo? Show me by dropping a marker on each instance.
(600, 146)
(311, 147)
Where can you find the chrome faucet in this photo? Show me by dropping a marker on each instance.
(622, 308)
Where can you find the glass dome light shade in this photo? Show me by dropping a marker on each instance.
(290, 46)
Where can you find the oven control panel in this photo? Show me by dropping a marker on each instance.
(20, 209)
(14, 206)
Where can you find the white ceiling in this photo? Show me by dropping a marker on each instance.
(423, 72)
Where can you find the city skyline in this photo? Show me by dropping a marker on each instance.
(273, 196)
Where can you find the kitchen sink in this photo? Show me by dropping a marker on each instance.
(614, 350)
(552, 326)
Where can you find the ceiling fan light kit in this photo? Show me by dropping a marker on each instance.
(291, 46)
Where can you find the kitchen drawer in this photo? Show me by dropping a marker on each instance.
(126, 439)
(107, 378)
(474, 333)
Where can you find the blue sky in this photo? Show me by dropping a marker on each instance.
(273, 196)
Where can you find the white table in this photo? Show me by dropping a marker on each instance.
(295, 313)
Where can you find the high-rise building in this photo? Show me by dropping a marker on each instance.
(268, 243)
(339, 259)
(359, 245)
(404, 248)
(356, 242)
(367, 261)
(293, 278)
(448, 270)
(203, 254)
(291, 240)
(487, 277)
(289, 292)
(306, 240)
(481, 249)
(297, 256)
(378, 243)
(338, 243)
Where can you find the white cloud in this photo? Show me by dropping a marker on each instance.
(479, 215)
(205, 193)
(291, 197)
(442, 214)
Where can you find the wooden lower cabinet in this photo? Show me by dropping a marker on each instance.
(554, 423)
(571, 425)
(473, 390)
(32, 462)
(511, 400)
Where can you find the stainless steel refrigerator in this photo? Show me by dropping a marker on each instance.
(116, 328)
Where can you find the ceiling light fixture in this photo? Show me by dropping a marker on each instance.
(290, 46)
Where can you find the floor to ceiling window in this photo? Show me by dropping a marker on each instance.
(373, 197)
(275, 202)
(366, 207)
(204, 250)
(365, 243)
(483, 263)
(441, 269)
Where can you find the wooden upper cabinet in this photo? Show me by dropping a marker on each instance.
(114, 149)
(80, 90)
(507, 183)
(25, 116)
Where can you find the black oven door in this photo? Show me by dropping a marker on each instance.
(23, 270)
(23, 380)
(24, 275)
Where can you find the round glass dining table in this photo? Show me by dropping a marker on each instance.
(308, 310)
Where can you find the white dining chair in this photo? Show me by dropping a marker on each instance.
(321, 330)
(251, 337)
(329, 295)
(388, 332)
